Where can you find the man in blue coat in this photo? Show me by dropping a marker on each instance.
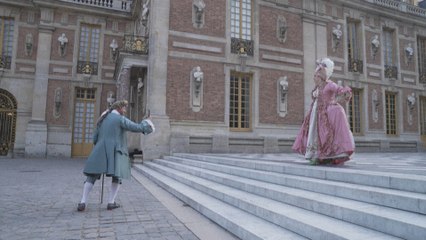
(110, 154)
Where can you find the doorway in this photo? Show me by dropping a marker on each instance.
(8, 106)
(83, 122)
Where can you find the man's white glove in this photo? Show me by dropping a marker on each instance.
(150, 124)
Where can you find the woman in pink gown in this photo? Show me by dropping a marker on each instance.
(325, 136)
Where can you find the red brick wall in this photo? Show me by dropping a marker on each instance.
(368, 51)
(66, 108)
(55, 52)
(379, 124)
(214, 19)
(339, 50)
(23, 31)
(106, 61)
(268, 28)
(178, 90)
(415, 115)
(268, 97)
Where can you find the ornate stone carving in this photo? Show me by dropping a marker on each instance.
(282, 29)
(197, 80)
(63, 42)
(337, 36)
(282, 87)
(198, 13)
(375, 44)
(375, 103)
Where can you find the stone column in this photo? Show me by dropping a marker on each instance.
(314, 47)
(36, 133)
(123, 84)
(158, 143)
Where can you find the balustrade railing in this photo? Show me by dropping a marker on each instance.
(136, 44)
(120, 5)
(391, 71)
(88, 68)
(356, 65)
(422, 77)
(401, 6)
(5, 61)
(242, 46)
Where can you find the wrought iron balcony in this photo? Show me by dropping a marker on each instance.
(391, 72)
(89, 68)
(400, 6)
(242, 46)
(5, 61)
(422, 77)
(120, 5)
(136, 44)
(355, 65)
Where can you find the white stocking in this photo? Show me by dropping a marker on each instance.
(113, 192)
(86, 190)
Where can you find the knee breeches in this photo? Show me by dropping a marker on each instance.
(91, 178)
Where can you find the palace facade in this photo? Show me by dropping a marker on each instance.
(217, 76)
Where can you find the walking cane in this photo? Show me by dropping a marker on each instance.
(102, 188)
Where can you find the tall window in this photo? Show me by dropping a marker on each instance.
(390, 113)
(6, 41)
(391, 70)
(241, 19)
(421, 46)
(240, 104)
(354, 112)
(354, 46)
(388, 46)
(241, 27)
(89, 49)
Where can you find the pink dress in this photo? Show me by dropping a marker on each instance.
(325, 136)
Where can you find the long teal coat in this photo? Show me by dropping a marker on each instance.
(110, 154)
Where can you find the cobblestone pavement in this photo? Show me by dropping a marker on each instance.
(38, 200)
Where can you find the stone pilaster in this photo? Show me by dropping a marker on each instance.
(158, 144)
(123, 84)
(314, 47)
(36, 133)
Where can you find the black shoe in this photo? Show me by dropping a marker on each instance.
(81, 207)
(112, 206)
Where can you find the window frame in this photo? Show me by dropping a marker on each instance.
(88, 56)
(391, 114)
(6, 41)
(354, 45)
(238, 15)
(357, 109)
(238, 76)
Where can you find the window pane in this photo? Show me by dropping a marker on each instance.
(242, 25)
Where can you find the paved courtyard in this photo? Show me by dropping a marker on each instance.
(39, 198)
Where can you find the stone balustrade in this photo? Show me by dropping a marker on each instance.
(120, 5)
(401, 6)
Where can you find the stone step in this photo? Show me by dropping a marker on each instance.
(384, 219)
(242, 224)
(408, 201)
(306, 223)
(397, 181)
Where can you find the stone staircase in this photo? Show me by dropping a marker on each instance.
(261, 199)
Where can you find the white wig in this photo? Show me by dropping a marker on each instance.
(328, 65)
